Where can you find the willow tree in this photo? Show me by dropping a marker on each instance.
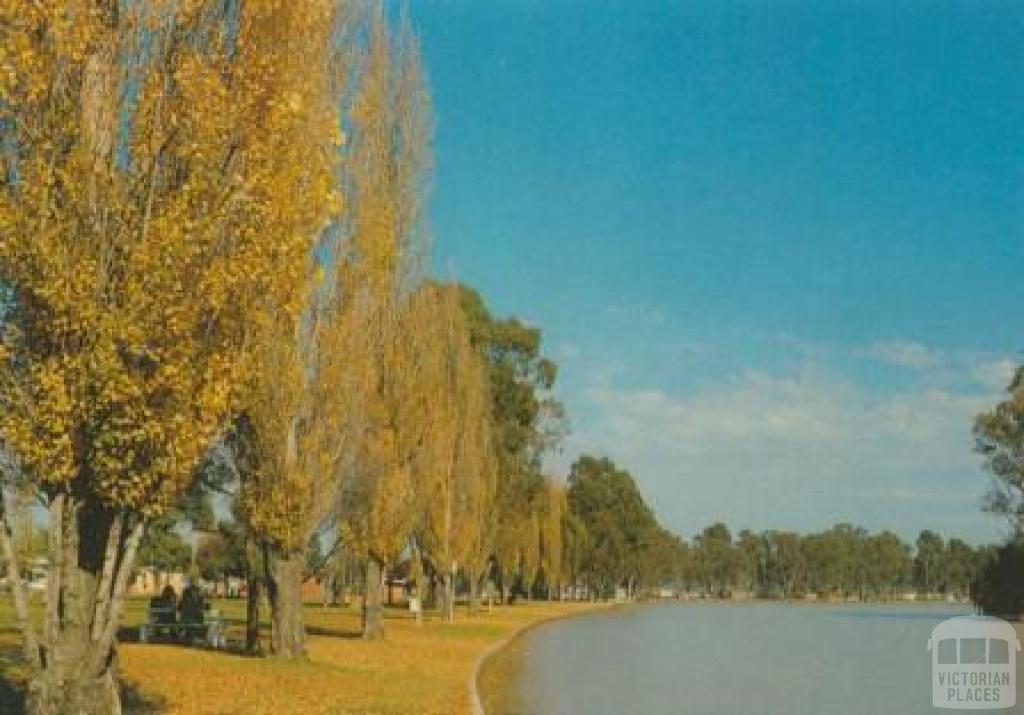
(155, 198)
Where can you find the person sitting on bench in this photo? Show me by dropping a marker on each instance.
(160, 619)
(193, 624)
(192, 606)
(163, 607)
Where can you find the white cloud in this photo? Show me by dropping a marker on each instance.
(809, 409)
(910, 355)
(995, 374)
(797, 450)
(991, 372)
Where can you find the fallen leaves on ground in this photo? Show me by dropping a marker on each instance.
(418, 669)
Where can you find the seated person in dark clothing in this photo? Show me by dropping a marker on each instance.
(192, 605)
(163, 607)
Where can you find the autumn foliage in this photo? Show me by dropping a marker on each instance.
(213, 256)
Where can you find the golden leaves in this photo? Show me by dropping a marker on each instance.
(422, 669)
(138, 282)
(354, 420)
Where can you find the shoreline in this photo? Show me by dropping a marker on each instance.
(495, 649)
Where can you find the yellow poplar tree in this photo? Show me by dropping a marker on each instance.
(377, 265)
(480, 530)
(475, 479)
(552, 524)
(153, 203)
(319, 405)
(292, 400)
(453, 475)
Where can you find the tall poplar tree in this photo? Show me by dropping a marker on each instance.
(454, 478)
(323, 411)
(379, 262)
(168, 166)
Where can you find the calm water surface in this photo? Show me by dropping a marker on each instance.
(733, 659)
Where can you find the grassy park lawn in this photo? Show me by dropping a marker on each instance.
(416, 669)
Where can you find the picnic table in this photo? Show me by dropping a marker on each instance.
(160, 621)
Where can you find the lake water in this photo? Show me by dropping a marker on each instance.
(733, 659)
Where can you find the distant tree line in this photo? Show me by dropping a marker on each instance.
(845, 561)
(595, 536)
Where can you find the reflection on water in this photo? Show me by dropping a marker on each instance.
(903, 612)
(727, 659)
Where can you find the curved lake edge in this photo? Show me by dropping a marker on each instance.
(504, 653)
(507, 667)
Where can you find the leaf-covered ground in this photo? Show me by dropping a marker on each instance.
(417, 669)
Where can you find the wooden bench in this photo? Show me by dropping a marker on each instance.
(159, 621)
(212, 631)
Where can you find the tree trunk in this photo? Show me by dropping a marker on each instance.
(284, 591)
(474, 595)
(417, 593)
(252, 615)
(61, 690)
(19, 595)
(432, 597)
(373, 626)
(254, 581)
(448, 605)
(91, 551)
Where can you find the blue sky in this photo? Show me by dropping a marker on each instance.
(775, 247)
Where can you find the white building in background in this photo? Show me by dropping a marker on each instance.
(149, 581)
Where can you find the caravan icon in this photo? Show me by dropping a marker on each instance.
(974, 663)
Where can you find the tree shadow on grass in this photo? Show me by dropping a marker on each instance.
(127, 634)
(12, 696)
(12, 686)
(134, 702)
(333, 632)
